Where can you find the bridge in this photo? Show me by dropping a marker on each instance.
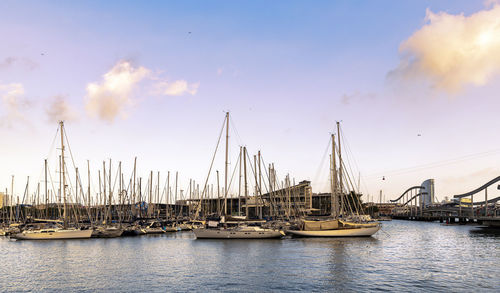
(417, 203)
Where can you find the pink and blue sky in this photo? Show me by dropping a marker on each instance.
(415, 84)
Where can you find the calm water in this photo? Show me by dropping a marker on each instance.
(404, 256)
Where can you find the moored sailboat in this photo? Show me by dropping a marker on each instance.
(339, 224)
(56, 232)
(234, 230)
(52, 234)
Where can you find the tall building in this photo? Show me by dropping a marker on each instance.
(2, 198)
(427, 199)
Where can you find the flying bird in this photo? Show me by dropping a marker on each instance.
(419, 134)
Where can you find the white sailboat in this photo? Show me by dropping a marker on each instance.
(223, 230)
(52, 234)
(238, 232)
(337, 225)
(335, 228)
(57, 232)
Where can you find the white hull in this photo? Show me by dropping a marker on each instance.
(154, 230)
(170, 229)
(347, 232)
(53, 234)
(237, 234)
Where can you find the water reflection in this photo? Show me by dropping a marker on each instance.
(485, 232)
(407, 256)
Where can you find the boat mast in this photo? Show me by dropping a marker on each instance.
(261, 202)
(61, 124)
(110, 200)
(88, 193)
(46, 197)
(239, 186)
(226, 165)
(245, 177)
(167, 197)
(340, 172)
(334, 199)
(134, 190)
(120, 194)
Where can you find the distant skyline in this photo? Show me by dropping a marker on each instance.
(415, 84)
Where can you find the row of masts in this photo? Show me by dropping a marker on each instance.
(137, 200)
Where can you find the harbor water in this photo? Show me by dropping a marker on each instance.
(403, 256)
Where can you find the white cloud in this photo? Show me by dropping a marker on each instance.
(452, 51)
(14, 103)
(114, 95)
(59, 109)
(176, 88)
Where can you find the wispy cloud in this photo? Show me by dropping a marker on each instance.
(14, 104)
(112, 97)
(175, 88)
(347, 99)
(60, 109)
(452, 51)
(12, 61)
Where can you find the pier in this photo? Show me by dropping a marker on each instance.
(417, 204)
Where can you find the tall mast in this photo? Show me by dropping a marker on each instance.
(175, 199)
(110, 215)
(98, 212)
(11, 214)
(46, 196)
(61, 124)
(167, 196)
(256, 187)
(158, 195)
(334, 199)
(120, 194)
(239, 185)
(225, 172)
(245, 176)
(88, 192)
(150, 194)
(340, 172)
(133, 188)
(261, 202)
(218, 195)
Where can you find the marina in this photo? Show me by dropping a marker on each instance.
(249, 146)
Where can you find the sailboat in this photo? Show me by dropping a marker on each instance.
(56, 232)
(339, 224)
(232, 230)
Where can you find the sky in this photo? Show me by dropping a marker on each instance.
(414, 84)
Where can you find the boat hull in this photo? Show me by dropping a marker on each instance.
(107, 233)
(58, 234)
(170, 229)
(231, 234)
(346, 232)
(154, 231)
